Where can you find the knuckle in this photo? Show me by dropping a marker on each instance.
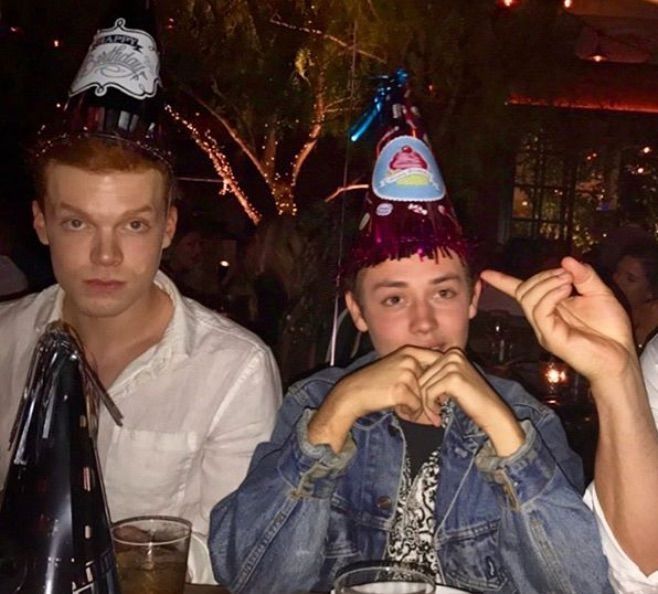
(406, 376)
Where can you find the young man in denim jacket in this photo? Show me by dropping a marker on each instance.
(496, 503)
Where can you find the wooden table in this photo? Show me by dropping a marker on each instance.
(192, 589)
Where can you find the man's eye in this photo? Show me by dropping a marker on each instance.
(446, 293)
(392, 300)
(73, 224)
(137, 226)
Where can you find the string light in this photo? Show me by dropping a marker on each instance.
(646, 150)
(57, 43)
(597, 55)
(568, 3)
(207, 143)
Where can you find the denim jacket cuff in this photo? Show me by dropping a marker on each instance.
(313, 469)
(523, 475)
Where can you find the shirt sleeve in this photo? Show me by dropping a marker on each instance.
(649, 361)
(285, 498)
(625, 576)
(245, 419)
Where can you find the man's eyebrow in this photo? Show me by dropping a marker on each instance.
(129, 213)
(390, 284)
(396, 284)
(446, 277)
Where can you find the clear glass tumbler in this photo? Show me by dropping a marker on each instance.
(383, 578)
(151, 554)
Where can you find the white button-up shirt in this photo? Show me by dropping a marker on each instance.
(194, 408)
(625, 576)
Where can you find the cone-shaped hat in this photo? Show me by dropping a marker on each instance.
(117, 93)
(54, 524)
(407, 210)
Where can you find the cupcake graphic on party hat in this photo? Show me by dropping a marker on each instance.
(407, 210)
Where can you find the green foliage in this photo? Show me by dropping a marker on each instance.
(266, 66)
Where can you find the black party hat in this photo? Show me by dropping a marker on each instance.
(54, 522)
(117, 93)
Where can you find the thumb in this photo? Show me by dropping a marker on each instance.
(585, 279)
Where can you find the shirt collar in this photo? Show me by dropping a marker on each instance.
(176, 343)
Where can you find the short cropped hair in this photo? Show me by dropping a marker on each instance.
(99, 155)
(349, 282)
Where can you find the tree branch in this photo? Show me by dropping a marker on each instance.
(319, 112)
(350, 47)
(207, 143)
(233, 133)
(343, 189)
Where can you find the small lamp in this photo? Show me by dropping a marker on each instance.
(554, 375)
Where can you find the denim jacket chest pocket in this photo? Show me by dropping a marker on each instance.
(467, 539)
(363, 504)
(470, 557)
(148, 471)
(341, 538)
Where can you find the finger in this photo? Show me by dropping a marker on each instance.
(528, 287)
(440, 385)
(410, 401)
(423, 357)
(434, 397)
(407, 413)
(453, 356)
(536, 293)
(585, 279)
(544, 313)
(411, 360)
(435, 394)
(501, 281)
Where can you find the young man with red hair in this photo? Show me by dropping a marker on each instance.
(197, 392)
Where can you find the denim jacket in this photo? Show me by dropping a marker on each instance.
(514, 525)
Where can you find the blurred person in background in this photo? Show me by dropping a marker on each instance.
(636, 276)
(13, 281)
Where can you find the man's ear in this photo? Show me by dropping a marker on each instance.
(39, 222)
(355, 311)
(170, 226)
(475, 298)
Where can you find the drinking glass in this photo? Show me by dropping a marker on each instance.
(500, 344)
(151, 554)
(383, 578)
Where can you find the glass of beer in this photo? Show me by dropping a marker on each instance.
(151, 554)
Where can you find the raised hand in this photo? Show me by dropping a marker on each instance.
(453, 376)
(589, 330)
(390, 383)
(414, 382)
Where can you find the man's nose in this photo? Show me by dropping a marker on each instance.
(423, 318)
(106, 250)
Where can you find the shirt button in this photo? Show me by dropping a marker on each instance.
(384, 502)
